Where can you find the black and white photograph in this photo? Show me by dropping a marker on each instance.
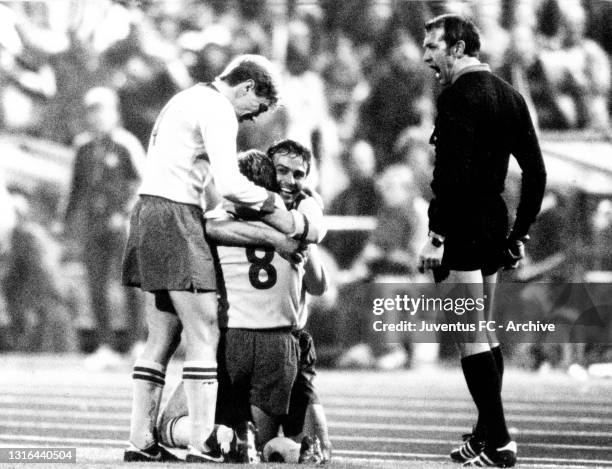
(354, 233)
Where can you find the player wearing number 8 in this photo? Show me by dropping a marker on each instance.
(260, 303)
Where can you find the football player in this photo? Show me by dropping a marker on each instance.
(262, 303)
(192, 144)
(273, 289)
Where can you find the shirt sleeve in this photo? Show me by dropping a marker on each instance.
(533, 178)
(219, 134)
(311, 209)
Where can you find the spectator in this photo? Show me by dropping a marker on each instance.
(308, 118)
(27, 81)
(106, 173)
(392, 106)
(391, 251)
(359, 198)
(345, 85)
(570, 79)
(37, 295)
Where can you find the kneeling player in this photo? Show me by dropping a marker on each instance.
(263, 298)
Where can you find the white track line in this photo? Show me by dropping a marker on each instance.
(81, 412)
(69, 414)
(459, 429)
(332, 424)
(124, 389)
(59, 439)
(428, 441)
(123, 399)
(350, 412)
(344, 459)
(64, 426)
(433, 456)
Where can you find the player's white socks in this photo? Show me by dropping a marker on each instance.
(200, 381)
(178, 431)
(148, 384)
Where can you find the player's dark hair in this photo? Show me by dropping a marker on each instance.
(259, 169)
(288, 146)
(248, 69)
(457, 28)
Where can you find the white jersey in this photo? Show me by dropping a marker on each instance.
(259, 289)
(194, 142)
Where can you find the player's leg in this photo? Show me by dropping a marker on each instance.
(266, 424)
(306, 416)
(198, 315)
(483, 381)
(174, 425)
(274, 373)
(164, 332)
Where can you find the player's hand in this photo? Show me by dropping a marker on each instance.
(514, 251)
(430, 257)
(291, 250)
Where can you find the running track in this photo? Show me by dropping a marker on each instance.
(410, 418)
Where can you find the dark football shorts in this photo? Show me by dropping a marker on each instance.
(167, 249)
(258, 367)
(479, 245)
(303, 393)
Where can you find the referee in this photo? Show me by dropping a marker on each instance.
(480, 121)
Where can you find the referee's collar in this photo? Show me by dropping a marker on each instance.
(477, 67)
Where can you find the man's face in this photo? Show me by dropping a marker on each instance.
(437, 56)
(291, 172)
(247, 104)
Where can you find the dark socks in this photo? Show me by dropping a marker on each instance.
(499, 362)
(484, 383)
(480, 430)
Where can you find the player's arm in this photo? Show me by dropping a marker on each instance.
(315, 274)
(219, 133)
(312, 210)
(306, 223)
(220, 137)
(252, 233)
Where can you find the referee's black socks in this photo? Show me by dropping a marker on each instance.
(484, 383)
(499, 362)
(480, 429)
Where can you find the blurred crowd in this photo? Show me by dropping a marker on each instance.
(355, 91)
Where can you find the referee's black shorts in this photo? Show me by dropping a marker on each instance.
(478, 241)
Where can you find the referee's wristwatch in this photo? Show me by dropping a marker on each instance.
(436, 239)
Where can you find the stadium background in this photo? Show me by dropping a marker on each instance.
(357, 93)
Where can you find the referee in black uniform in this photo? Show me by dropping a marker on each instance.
(480, 121)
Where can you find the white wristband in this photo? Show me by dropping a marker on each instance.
(298, 223)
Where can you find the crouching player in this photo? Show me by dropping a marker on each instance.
(262, 304)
